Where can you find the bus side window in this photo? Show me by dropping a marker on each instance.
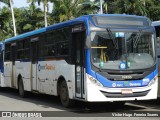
(62, 43)
(7, 52)
(51, 50)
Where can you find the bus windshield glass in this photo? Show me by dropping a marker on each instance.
(122, 50)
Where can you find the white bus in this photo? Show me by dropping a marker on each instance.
(93, 58)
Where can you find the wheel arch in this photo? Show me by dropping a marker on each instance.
(60, 80)
(18, 79)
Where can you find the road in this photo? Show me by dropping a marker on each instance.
(11, 101)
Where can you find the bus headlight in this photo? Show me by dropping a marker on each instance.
(94, 81)
(152, 81)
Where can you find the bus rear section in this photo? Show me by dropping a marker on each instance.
(1, 65)
(156, 24)
(121, 59)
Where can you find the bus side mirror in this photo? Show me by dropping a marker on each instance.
(88, 42)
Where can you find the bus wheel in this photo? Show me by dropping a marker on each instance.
(64, 95)
(22, 93)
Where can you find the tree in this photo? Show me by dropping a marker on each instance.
(154, 10)
(105, 5)
(10, 4)
(137, 7)
(32, 18)
(86, 7)
(68, 9)
(45, 8)
(6, 30)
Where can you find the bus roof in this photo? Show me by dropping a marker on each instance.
(156, 23)
(66, 23)
(41, 30)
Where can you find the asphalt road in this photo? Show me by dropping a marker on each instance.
(11, 101)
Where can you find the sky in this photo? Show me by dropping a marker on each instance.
(20, 3)
(23, 3)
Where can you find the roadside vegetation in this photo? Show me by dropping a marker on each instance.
(32, 17)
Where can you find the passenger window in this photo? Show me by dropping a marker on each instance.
(7, 52)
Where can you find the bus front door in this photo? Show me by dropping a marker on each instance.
(13, 54)
(34, 57)
(78, 40)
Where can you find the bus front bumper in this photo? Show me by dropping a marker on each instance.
(96, 93)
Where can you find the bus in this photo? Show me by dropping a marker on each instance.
(1, 65)
(92, 58)
(156, 24)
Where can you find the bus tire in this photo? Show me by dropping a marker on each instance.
(21, 90)
(64, 95)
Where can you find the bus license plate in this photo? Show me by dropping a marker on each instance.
(126, 91)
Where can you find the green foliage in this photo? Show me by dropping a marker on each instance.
(27, 19)
(5, 2)
(154, 10)
(68, 9)
(149, 8)
(32, 17)
(6, 30)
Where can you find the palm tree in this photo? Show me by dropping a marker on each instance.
(45, 7)
(63, 9)
(68, 9)
(154, 10)
(87, 7)
(103, 5)
(10, 4)
(32, 15)
(6, 30)
(137, 7)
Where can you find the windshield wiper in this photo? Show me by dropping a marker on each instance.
(113, 38)
(137, 38)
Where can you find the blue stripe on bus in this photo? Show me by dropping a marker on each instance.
(55, 26)
(26, 35)
(126, 83)
(83, 19)
(88, 64)
(64, 24)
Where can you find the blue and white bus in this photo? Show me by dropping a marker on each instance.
(156, 24)
(1, 65)
(93, 58)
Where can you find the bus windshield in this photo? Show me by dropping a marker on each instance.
(122, 50)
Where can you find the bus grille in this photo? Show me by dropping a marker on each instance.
(120, 95)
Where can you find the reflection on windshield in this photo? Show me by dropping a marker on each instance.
(135, 50)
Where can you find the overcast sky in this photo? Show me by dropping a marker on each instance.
(20, 3)
(23, 3)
